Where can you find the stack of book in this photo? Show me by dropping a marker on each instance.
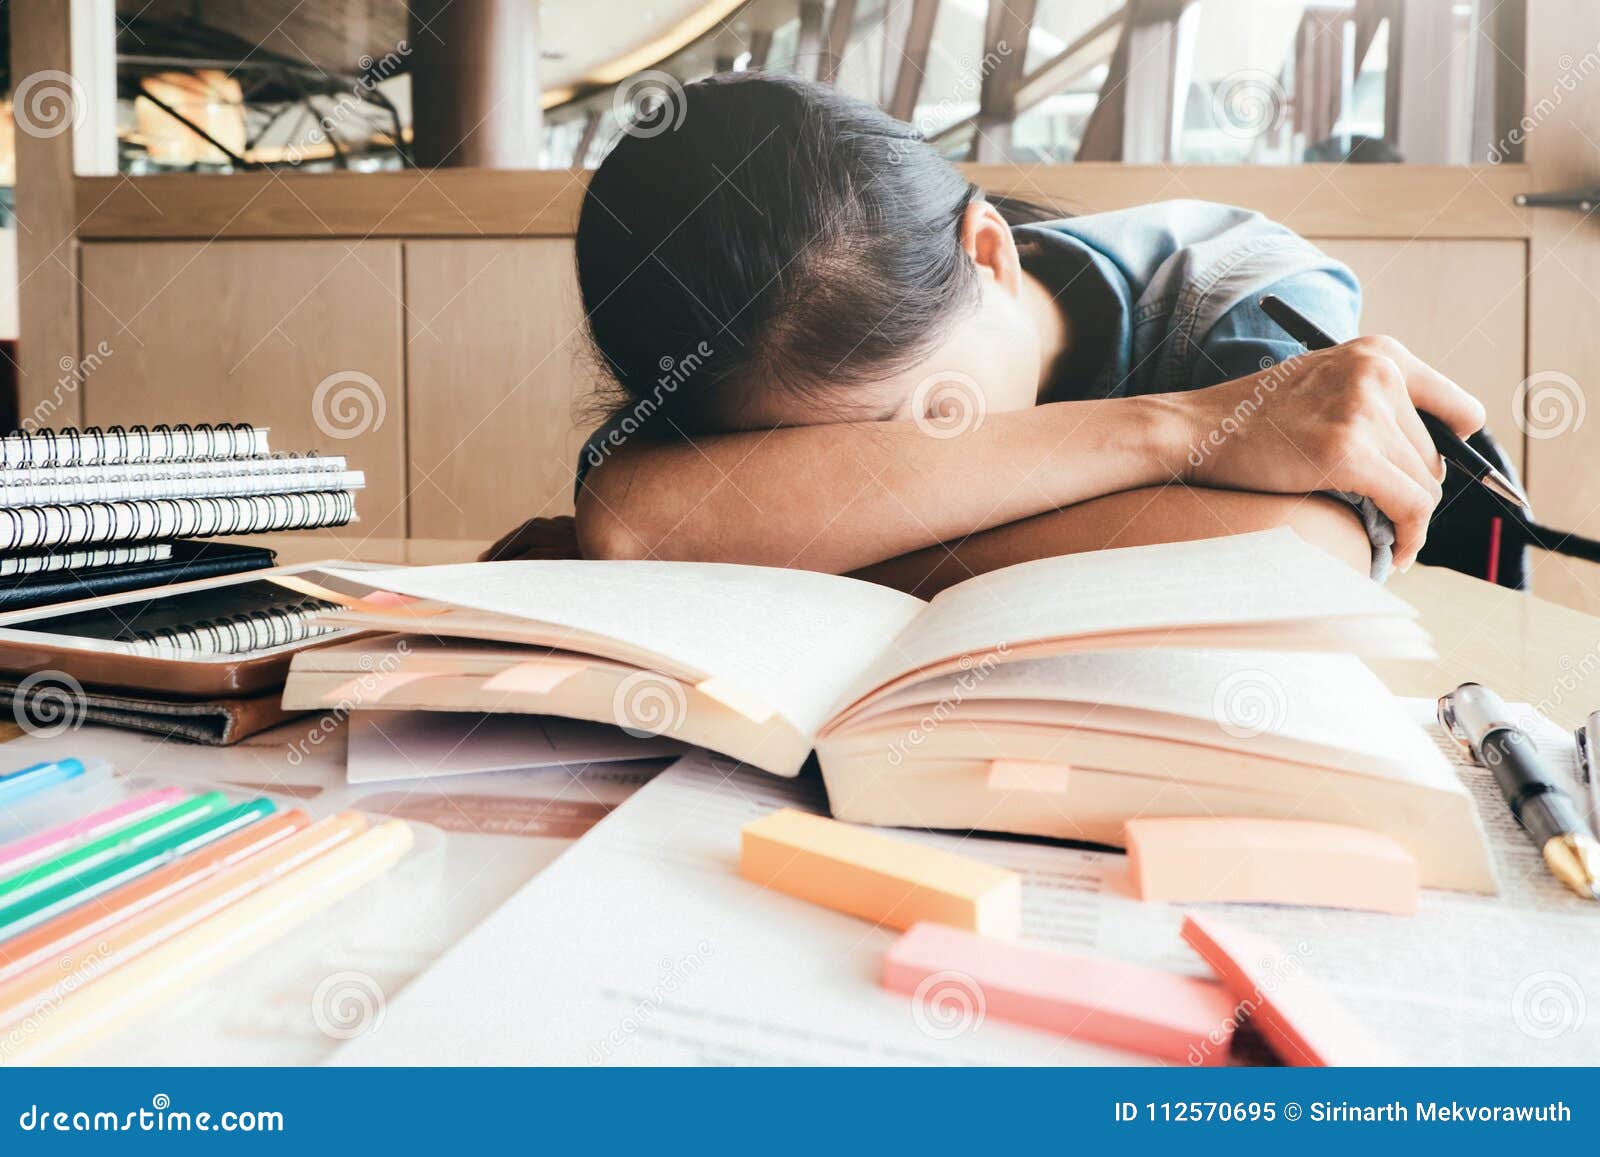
(1057, 698)
(96, 512)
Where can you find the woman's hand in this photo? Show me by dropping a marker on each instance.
(536, 538)
(1337, 419)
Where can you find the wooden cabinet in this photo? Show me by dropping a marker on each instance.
(1458, 305)
(303, 336)
(500, 383)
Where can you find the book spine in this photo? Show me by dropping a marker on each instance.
(116, 444)
(31, 527)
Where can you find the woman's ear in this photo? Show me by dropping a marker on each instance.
(987, 239)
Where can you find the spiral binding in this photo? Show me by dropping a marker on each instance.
(29, 564)
(240, 633)
(73, 446)
(30, 527)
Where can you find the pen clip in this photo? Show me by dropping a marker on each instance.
(1447, 720)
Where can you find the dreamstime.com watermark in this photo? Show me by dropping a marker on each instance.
(48, 704)
(948, 404)
(969, 79)
(74, 373)
(674, 372)
(1274, 374)
(1248, 104)
(1572, 73)
(948, 1004)
(77, 969)
(973, 673)
(347, 404)
(1549, 1004)
(374, 71)
(1249, 702)
(160, 1117)
(359, 689)
(348, 1004)
(649, 103)
(675, 973)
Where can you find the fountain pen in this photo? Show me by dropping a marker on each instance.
(1475, 718)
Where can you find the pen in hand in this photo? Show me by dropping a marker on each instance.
(1450, 446)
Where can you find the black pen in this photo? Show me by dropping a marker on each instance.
(1475, 718)
(1451, 447)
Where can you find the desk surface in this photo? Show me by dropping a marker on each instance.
(1527, 649)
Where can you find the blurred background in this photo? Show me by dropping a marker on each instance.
(224, 85)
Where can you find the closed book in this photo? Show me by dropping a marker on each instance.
(214, 722)
(187, 562)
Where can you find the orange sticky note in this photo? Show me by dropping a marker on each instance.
(536, 677)
(1304, 1025)
(1028, 775)
(1145, 1010)
(1270, 861)
(888, 881)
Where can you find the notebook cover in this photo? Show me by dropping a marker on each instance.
(190, 560)
(216, 722)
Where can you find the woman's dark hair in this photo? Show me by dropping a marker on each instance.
(763, 232)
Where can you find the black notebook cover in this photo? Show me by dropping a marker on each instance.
(190, 560)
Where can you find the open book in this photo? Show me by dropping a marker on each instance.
(1057, 697)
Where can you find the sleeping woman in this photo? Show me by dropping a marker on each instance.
(831, 351)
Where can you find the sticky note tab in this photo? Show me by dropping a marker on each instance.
(1304, 1025)
(536, 677)
(734, 699)
(1028, 775)
(1144, 1010)
(1270, 861)
(888, 881)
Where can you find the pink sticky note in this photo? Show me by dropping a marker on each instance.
(1028, 775)
(1304, 1025)
(1144, 1010)
(536, 677)
(1270, 861)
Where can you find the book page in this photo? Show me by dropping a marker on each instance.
(792, 639)
(693, 964)
(1262, 578)
(1242, 698)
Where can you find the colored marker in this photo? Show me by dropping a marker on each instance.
(85, 885)
(114, 843)
(28, 780)
(112, 1000)
(19, 853)
(60, 967)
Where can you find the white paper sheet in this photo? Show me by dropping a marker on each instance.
(390, 746)
(498, 831)
(644, 946)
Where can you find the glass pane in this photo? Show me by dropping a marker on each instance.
(320, 84)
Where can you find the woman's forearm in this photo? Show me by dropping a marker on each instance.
(839, 497)
(1173, 513)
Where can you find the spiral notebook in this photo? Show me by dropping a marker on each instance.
(98, 511)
